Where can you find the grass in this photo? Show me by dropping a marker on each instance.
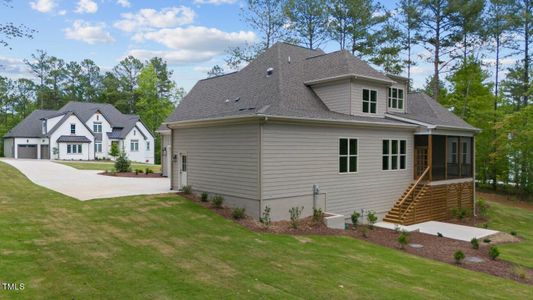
(165, 247)
(106, 165)
(507, 218)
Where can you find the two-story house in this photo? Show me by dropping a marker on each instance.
(299, 127)
(80, 131)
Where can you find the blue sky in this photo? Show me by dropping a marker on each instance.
(190, 35)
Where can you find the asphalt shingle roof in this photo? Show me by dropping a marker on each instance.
(73, 139)
(31, 126)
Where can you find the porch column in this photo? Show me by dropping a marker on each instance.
(430, 156)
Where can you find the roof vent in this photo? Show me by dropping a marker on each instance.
(289, 59)
(270, 71)
(237, 99)
(227, 101)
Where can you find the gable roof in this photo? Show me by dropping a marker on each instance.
(422, 108)
(251, 92)
(121, 123)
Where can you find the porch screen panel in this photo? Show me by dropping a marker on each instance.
(439, 157)
(466, 156)
(453, 159)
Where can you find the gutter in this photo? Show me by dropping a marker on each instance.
(349, 76)
(431, 126)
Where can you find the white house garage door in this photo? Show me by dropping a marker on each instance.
(27, 151)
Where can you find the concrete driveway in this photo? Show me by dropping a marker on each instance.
(86, 184)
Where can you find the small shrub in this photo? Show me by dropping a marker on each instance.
(520, 272)
(397, 228)
(485, 225)
(513, 233)
(372, 219)
(217, 201)
(204, 197)
(355, 218)
(138, 171)
(295, 213)
(318, 215)
(403, 239)
(238, 213)
(439, 234)
(458, 256)
(148, 171)
(187, 190)
(482, 208)
(486, 241)
(265, 217)
(494, 253)
(364, 232)
(122, 164)
(475, 243)
(460, 213)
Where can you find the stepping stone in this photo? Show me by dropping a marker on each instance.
(474, 259)
(416, 246)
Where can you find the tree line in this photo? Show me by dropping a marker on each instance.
(457, 38)
(132, 86)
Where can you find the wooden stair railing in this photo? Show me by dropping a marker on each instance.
(411, 194)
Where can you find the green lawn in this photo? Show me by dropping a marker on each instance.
(506, 218)
(106, 165)
(165, 247)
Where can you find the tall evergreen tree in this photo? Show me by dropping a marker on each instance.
(309, 21)
(127, 72)
(523, 28)
(408, 19)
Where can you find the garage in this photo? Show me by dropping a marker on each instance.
(27, 151)
(45, 152)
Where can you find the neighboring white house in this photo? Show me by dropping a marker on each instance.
(299, 127)
(79, 131)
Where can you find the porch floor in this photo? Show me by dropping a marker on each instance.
(452, 231)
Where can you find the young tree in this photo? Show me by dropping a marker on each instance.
(439, 34)
(309, 21)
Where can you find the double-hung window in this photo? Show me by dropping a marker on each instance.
(134, 145)
(394, 155)
(74, 149)
(147, 146)
(348, 155)
(97, 127)
(396, 98)
(370, 101)
(98, 147)
(72, 128)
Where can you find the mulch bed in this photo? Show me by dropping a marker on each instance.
(132, 174)
(434, 247)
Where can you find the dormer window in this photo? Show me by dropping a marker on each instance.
(370, 101)
(43, 128)
(396, 98)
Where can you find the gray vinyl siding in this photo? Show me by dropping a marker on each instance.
(357, 87)
(220, 159)
(336, 96)
(8, 148)
(296, 157)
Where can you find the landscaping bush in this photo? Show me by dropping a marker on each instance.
(149, 171)
(460, 213)
(403, 239)
(115, 151)
(439, 234)
(513, 233)
(494, 253)
(475, 243)
(318, 215)
(122, 164)
(458, 256)
(238, 213)
(364, 232)
(217, 201)
(295, 213)
(355, 218)
(372, 219)
(204, 197)
(265, 218)
(520, 272)
(187, 190)
(138, 171)
(486, 240)
(482, 208)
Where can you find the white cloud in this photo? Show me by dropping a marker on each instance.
(124, 3)
(43, 6)
(197, 38)
(151, 18)
(175, 57)
(14, 68)
(86, 6)
(216, 2)
(62, 12)
(88, 33)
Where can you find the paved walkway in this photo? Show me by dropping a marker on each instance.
(86, 184)
(452, 231)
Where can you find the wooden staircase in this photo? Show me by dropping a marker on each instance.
(405, 210)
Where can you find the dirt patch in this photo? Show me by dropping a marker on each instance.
(434, 247)
(132, 174)
(505, 199)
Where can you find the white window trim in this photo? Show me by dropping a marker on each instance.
(131, 144)
(75, 145)
(369, 101)
(71, 124)
(390, 98)
(94, 127)
(348, 155)
(398, 164)
(96, 148)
